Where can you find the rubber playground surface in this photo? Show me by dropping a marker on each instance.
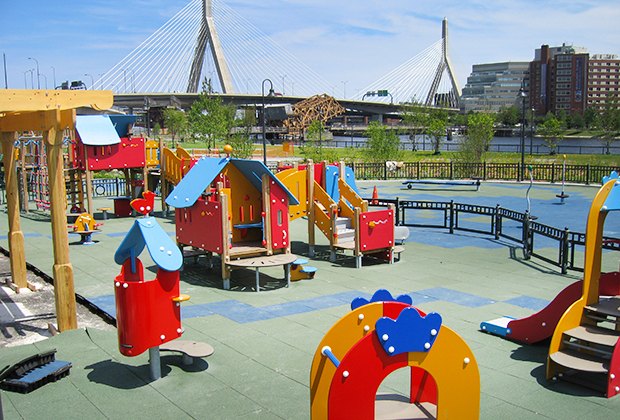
(264, 342)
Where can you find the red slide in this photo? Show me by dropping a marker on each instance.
(541, 325)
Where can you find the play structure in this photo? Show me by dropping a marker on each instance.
(328, 196)
(541, 325)
(376, 338)
(585, 347)
(85, 226)
(104, 143)
(235, 208)
(148, 312)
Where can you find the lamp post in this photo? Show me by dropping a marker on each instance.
(344, 89)
(283, 86)
(271, 93)
(531, 128)
(92, 81)
(38, 80)
(522, 95)
(54, 75)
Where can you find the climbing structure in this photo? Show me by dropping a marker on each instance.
(316, 108)
(327, 196)
(585, 346)
(376, 338)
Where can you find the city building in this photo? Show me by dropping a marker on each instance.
(558, 79)
(493, 86)
(603, 80)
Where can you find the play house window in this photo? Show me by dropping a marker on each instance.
(279, 217)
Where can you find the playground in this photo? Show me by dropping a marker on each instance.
(264, 343)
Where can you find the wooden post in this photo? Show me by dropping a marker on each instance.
(63, 270)
(310, 207)
(266, 186)
(16, 236)
(162, 179)
(358, 246)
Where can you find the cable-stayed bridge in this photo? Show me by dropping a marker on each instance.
(207, 40)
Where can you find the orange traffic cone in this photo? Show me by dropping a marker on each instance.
(375, 197)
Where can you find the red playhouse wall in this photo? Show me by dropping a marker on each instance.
(129, 153)
(200, 225)
(376, 230)
(146, 315)
(279, 217)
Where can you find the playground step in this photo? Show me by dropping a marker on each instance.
(596, 335)
(346, 245)
(606, 308)
(580, 361)
(345, 234)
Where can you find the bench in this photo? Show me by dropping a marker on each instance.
(474, 183)
(189, 349)
(397, 251)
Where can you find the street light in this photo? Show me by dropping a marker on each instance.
(26, 80)
(38, 81)
(344, 89)
(522, 95)
(283, 86)
(271, 93)
(92, 81)
(531, 128)
(54, 75)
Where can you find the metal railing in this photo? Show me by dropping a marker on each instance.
(546, 172)
(504, 223)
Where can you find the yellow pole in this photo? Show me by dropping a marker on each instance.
(16, 236)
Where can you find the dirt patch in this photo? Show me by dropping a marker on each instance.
(30, 316)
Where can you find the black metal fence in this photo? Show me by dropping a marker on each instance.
(504, 223)
(546, 172)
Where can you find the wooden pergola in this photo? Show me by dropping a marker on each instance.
(50, 112)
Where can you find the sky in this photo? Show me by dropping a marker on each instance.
(351, 43)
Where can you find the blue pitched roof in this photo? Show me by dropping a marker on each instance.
(96, 130)
(147, 232)
(206, 169)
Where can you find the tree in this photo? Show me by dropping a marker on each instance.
(589, 117)
(480, 132)
(312, 148)
(382, 144)
(510, 116)
(552, 132)
(241, 141)
(415, 116)
(609, 122)
(437, 130)
(176, 122)
(209, 119)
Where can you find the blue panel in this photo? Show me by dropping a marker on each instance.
(163, 250)
(191, 186)
(254, 170)
(331, 182)
(121, 123)
(410, 332)
(612, 202)
(146, 231)
(349, 177)
(497, 326)
(96, 130)
(528, 302)
(380, 295)
(453, 296)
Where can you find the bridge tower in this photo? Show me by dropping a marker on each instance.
(444, 66)
(208, 34)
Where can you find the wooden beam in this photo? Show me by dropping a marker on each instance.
(42, 120)
(64, 291)
(22, 100)
(16, 236)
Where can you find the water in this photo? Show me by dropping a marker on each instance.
(498, 144)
